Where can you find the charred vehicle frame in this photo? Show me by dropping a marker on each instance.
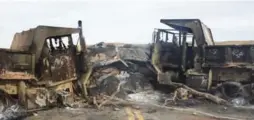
(198, 62)
(42, 64)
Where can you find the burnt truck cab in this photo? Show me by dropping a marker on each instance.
(181, 48)
(52, 47)
(42, 63)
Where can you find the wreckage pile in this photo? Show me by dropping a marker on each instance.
(114, 64)
(124, 71)
(129, 66)
(161, 74)
(123, 74)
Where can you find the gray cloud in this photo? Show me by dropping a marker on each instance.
(128, 21)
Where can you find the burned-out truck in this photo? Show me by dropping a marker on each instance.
(42, 65)
(187, 53)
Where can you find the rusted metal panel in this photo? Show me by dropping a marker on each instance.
(15, 66)
(58, 67)
(33, 40)
(23, 40)
(13, 61)
(9, 87)
(9, 75)
(197, 80)
(230, 74)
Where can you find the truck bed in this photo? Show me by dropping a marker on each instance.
(229, 55)
(16, 64)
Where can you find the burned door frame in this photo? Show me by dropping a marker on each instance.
(59, 63)
(190, 66)
(181, 42)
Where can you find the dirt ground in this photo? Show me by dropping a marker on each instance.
(144, 112)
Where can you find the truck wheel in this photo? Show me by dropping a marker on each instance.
(22, 92)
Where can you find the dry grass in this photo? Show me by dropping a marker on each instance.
(235, 42)
(229, 42)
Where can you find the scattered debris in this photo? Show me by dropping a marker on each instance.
(13, 112)
(10, 109)
(238, 102)
(202, 94)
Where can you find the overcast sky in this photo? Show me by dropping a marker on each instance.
(127, 21)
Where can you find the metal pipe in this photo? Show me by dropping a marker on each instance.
(180, 38)
(82, 39)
